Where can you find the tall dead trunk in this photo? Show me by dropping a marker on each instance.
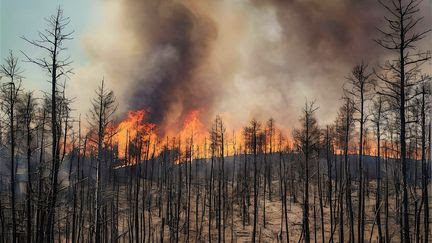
(28, 121)
(254, 130)
(10, 92)
(306, 140)
(329, 180)
(425, 168)
(378, 189)
(401, 36)
(52, 42)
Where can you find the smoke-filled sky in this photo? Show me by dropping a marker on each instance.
(241, 59)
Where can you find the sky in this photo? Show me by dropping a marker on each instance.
(241, 59)
(26, 18)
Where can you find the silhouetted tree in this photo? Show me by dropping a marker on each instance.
(99, 118)
(27, 116)
(10, 92)
(401, 36)
(360, 84)
(51, 42)
(377, 121)
(307, 141)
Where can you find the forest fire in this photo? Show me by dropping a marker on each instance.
(132, 127)
(227, 121)
(192, 135)
(136, 127)
(193, 127)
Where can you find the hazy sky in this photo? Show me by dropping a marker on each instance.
(238, 58)
(26, 18)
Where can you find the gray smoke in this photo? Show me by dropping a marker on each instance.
(244, 58)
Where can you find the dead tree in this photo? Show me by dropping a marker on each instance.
(10, 92)
(267, 142)
(283, 191)
(27, 115)
(51, 41)
(360, 84)
(329, 154)
(271, 135)
(307, 141)
(377, 120)
(401, 36)
(252, 131)
(320, 199)
(425, 92)
(344, 126)
(222, 186)
(217, 136)
(99, 118)
(210, 185)
(40, 171)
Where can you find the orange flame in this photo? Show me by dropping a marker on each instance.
(193, 127)
(193, 137)
(128, 129)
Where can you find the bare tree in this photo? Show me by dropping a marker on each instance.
(100, 117)
(27, 115)
(307, 141)
(51, 41)
(10, 92)
(252, 132)
(360, 84)
(344, 127)
(377, 120)
(425, 92)
(329, 140)
(400, 36)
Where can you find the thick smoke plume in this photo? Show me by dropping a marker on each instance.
(238, 58)
(179, 39)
